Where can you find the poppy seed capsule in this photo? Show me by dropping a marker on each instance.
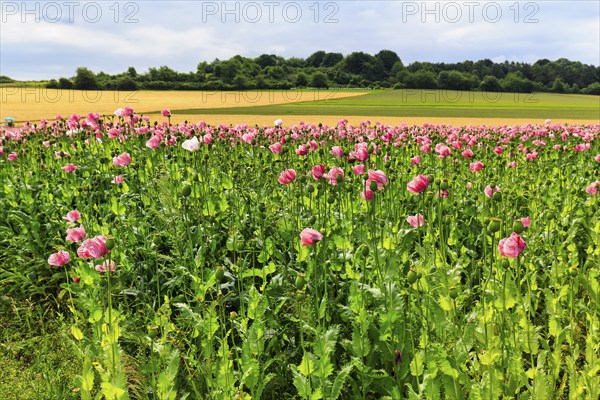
(518, 227)
(373, 185)
(152, 331)
(110, 243)
(453, 292)
(444, 185)
(497, 196)
(186, 191)
(494, 225)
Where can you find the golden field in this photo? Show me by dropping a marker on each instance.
(34, 104)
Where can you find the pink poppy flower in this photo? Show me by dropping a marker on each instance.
(122, 160)
(166, 112)
(12, 156)
(416, 160)
(333, 174)
(361, 154)
(525, 221)
(442, 150)
(358, 169)
(93, 248)
(532, 156)
(124, 112)
(498, 150)
(415, 220)
(302, 150)
(317, 171)
(476, 166)
(597, 158)
(378, 177)
(59, 259)
(512, 164)
(118, 180)
(337, 151)
(72, 216)
(592, 189)
(469, 185)
(310, 236)
(46, 143)
(69, 167)
(511, 246)
(419, 184)
(468, 153)
(110, 265)
(367, 194)
(276, 148)
(278, 122)
(154, 142)
(489, 191)
(286, 177)
(75, 235)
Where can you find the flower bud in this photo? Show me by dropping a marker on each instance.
(365, 250)
(300, 281)
(411, 277)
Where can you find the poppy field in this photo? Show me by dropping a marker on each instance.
(303, 261)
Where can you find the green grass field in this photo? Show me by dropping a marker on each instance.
(434, 103)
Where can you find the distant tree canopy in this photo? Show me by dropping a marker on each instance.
(358, 69)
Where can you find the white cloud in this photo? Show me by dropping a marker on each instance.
(181, 34)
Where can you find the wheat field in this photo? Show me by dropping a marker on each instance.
(34, 104)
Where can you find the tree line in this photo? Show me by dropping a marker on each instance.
(355, 70)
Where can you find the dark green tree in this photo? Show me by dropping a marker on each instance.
(301, 80)
(388, 58)
(490, 84)
(319, 80)
(85, 80)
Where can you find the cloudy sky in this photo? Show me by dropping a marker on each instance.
(49, 39)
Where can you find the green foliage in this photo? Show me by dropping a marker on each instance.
(215, 297)
(357, 69)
